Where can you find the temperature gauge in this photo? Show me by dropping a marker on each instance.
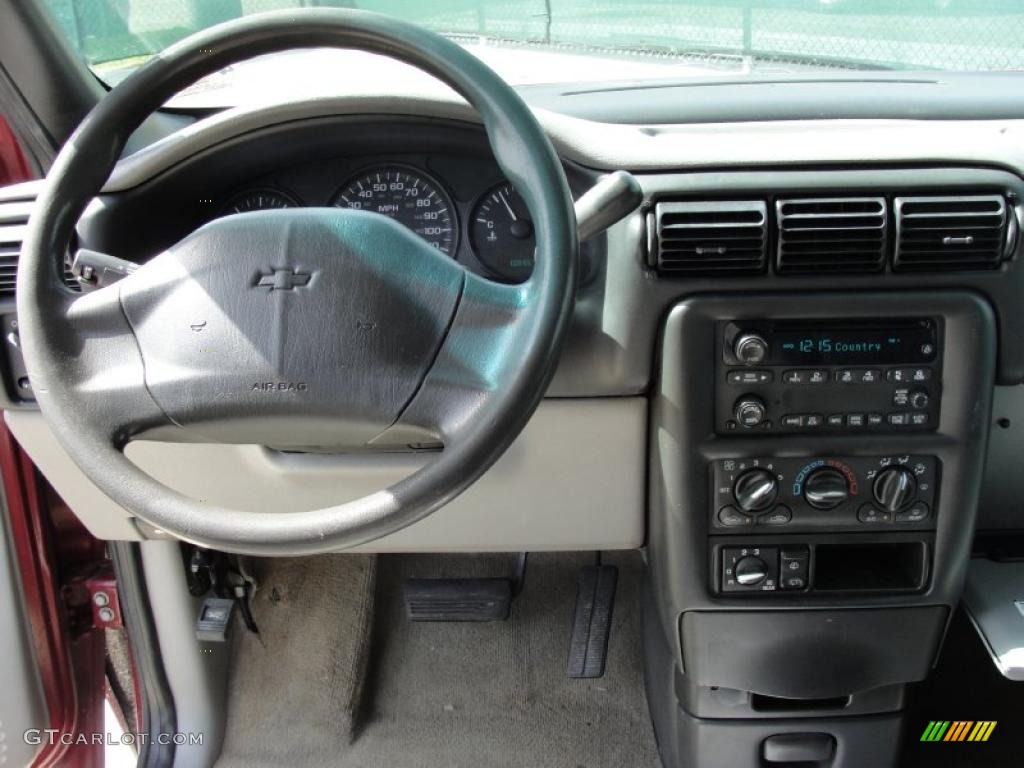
(501, 233)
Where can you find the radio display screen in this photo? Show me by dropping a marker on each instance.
(848, 343)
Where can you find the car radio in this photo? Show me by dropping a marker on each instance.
(854, 375)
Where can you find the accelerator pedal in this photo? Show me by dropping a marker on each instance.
(592, 622)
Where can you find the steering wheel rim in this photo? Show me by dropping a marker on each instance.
(88, 356)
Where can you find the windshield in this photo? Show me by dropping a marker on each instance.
(115, 36)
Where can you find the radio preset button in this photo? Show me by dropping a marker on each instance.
(870, 376)
(909, 375)
(846, 376)
(817, 376)
(795, 377)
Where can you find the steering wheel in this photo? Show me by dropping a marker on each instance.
(295, 328)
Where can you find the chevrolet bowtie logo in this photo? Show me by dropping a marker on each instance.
(286, 279)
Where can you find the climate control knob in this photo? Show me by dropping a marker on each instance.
(895, 488)
(826, 488)
(750, 349)
(750, 411)
(755, 490)
(751, 571)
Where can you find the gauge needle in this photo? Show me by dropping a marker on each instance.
(501, 196)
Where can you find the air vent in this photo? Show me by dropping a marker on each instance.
(709, 238)
(831, 235)
(15, 207)
(951, 233)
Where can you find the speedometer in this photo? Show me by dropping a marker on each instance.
(408, 196)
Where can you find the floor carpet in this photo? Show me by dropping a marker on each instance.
(480, 694)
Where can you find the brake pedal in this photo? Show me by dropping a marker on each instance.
(592, 622)
(487, 599)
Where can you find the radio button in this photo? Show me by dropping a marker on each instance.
(846, 376)
(813, 420)
(870, 376)
(918, 419)
(792, 420)
(909, 375)
(795, 377)
(855, 419)
(901, 398)
(875, 419)
(899, 419)
(749, 377)
(817, 376)
(836, 420)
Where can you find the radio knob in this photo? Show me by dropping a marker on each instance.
(750, 411)
(895, 488)
(919, 399)
(750, 571)
(826, 488)
(750, 349)
(755, 490)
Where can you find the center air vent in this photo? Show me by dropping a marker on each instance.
(831, 235)
(709, 238)
(950, 233)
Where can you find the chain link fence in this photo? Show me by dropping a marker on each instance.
(903, 34)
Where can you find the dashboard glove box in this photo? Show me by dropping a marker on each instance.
(811, 654)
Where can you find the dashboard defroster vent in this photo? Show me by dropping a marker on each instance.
(15, 208)
(951, 233)
(831, 235)
(709, 238)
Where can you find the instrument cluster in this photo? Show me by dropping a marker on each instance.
(490, 230)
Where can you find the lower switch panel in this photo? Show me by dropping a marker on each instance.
(765, 569)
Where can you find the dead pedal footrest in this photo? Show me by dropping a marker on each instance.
(592, 622)
(484, 599)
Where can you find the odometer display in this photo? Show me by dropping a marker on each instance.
(407, 196)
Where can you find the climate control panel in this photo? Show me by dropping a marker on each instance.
(861, 493)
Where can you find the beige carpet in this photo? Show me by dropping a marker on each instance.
(455, 694)
(294, 690)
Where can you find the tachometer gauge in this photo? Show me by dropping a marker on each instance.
(258, 200)
(409, 197)
(501, 233)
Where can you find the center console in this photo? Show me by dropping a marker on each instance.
(816, 463)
